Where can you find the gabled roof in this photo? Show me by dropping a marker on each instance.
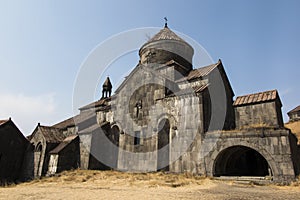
(146, 69)
(63, 144)
(9, 122)
(200, 72)
(127, 78)
(51, 134)
(255, 98)
(295, 109)
(204, 72)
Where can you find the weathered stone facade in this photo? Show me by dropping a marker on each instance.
(65, 156)
(275, 146)
(168, 116)
(257, 110)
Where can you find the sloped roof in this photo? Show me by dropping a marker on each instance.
(9, 122)
(295, 109)
(84, 115)
(3, 121)
(51, 134)
(92, 128)
(98, 103)
(260, 97)
(66, 123)
(63, 144)
(193, 90)
(166, 34)
(200, 72)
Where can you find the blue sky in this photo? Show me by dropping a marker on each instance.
(44, 43)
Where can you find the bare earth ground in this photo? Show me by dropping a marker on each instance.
(80, 184)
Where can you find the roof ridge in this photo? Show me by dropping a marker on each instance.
(200, 72)
(49, 127)
(257, 97)
(274, 90)
(297, 108)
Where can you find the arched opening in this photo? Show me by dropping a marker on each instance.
(115, 135)
(241, 161)
(38, 147)
(37, 159)
(163, 145)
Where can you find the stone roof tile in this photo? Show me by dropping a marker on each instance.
(256, 98)
(200, 72)
(165, 34)
(51, 134)
(63, 144)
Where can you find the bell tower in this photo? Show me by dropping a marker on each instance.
(106, 88)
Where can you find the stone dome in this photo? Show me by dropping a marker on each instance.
(166, 46)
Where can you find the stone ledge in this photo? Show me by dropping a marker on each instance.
(260, 133)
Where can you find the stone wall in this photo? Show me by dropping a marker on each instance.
(257, 115)
(85, 146)
(39, 143)
(68, 158)
(273, 145)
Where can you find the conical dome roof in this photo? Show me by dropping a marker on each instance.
(165, 46)
(165, 34)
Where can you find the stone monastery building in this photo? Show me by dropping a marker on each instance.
(170, 115)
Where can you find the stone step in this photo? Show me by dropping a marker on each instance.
(243, 178)
(246, 180)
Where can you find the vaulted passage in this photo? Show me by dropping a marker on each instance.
(240, 161)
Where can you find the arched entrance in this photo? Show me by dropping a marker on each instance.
(38, 163)
(241, 161)
(163, 145)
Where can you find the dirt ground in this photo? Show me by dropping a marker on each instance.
(81, 184)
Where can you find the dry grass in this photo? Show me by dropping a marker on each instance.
(151, 179)
(94, 185)
(156, 179)
(295, 128)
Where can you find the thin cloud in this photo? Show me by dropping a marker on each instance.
(26, 111)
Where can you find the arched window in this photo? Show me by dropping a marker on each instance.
(38, 147)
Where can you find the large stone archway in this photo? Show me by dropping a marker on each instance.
(241, 161)
(273, 147)
(223, 144)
